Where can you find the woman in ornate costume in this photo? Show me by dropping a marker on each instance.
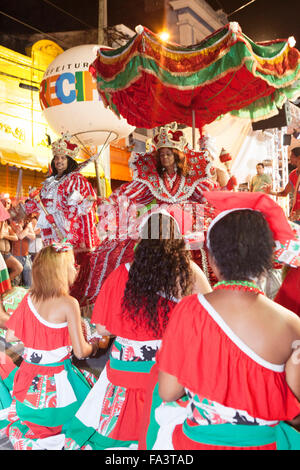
(235, 362)
(66, 201)
(47, 388)
(134, 305)
(170, 173)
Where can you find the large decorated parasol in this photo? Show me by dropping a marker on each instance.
(152, 83)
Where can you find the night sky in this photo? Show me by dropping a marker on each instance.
(261, 20)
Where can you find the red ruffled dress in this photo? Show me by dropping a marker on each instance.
(111, 415)
(226, 382)
(48, 389)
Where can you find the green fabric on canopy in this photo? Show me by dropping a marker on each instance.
(152, 83)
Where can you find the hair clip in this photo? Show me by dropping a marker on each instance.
(63, 246)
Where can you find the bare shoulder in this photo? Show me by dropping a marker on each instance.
(69, 304)
(201, 283)
(284, 316)
(195, 268)
(71, 301)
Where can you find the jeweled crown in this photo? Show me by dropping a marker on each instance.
(170, 136)
(64, 146)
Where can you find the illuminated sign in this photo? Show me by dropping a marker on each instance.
(68, 87)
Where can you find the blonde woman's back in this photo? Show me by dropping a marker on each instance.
(55, 309)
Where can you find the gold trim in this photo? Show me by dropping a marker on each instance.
(177, 56)
(175, 74)
(207, 82)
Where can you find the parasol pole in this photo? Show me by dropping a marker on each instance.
(102, 22)
(98, 181)
(193, 129)
(102, 40)
(100, 188)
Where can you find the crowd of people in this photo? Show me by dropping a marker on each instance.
(199, 359)
(20, 240)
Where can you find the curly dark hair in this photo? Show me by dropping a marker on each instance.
(160, 270)
(72, 166)
(296, 151)
(180, 160)
(241, 244)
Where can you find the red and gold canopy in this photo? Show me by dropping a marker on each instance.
(152, 83)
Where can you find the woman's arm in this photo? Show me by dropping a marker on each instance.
(292, 363)
(4, 317)
(201, 283)
(10, 336)
(222, 177)
(292, 372)
(102, 330)
(283, 193)
(169, 388)
(27, 232)
(80, 346)
(10, 234)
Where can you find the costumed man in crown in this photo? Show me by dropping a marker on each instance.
(66, 202)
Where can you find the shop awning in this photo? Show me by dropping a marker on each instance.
(30, 161)
(38, 161)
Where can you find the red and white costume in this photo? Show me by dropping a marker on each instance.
(111, 414)
(69, 203)
(47, 388)
(225, 381)
(236, 398)
(148, 185)
(118, 214)
(66, 199)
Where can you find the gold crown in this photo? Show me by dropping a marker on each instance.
(64, 146)
(169, 136)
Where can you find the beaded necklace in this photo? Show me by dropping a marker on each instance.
(247, 286)
(171, 179)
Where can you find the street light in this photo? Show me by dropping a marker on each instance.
(164, 36)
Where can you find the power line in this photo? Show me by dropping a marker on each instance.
(241, 8)
(69, 14)
(114, 34)
(32, 27)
